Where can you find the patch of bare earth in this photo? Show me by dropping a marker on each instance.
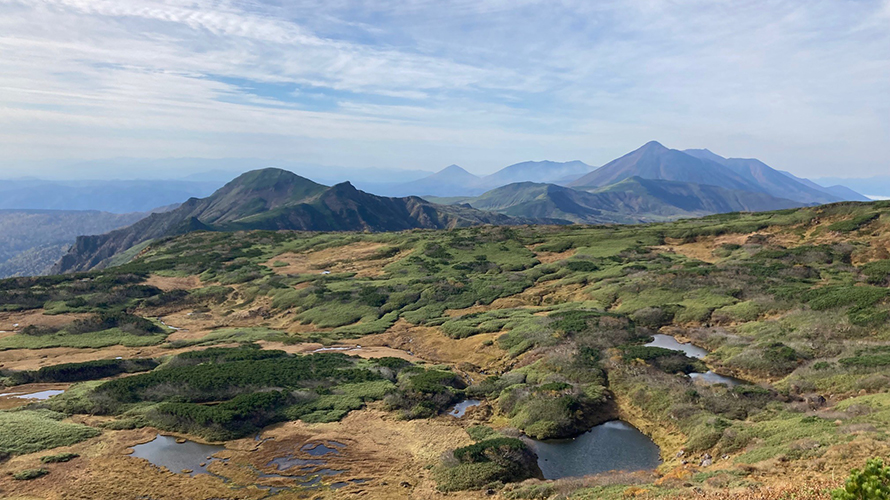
(191, 324)
(355, 349)
(703, 248)
(9, 320)
(551, 257)
(360, 258)
(430, 344)
(168, 283)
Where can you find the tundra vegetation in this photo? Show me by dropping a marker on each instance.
(796, 302)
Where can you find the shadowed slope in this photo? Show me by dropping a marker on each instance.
(276, 199)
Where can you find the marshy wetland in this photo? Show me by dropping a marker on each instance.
(524, 362)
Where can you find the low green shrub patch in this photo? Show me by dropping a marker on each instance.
(77, 372)
(488, 450)
(849, 225)
(29, 474)
(866, 361)
(667, 360)
(238, 417)
(61, 457)
(30, 431)
(492, 461)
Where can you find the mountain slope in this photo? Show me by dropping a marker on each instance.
(536, 171)
(31, 241)
(877, 187)
(700, 198)
(770, 180)
(842, 192)
(450, 181)
(276, 199)
(630, 200)
(654, 161)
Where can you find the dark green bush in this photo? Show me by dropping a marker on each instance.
(28, 474)
(486, 451)
(870, 483)
(492, 461)
(581, 266)
(61, 457)
(89, 370)
(129, 323)
(846, 226)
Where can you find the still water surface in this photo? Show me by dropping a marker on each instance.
(668, 342)
(164, 451)
(461, 408)
(611, 446)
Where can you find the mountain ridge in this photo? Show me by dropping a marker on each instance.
(275, 199)
(770, 180)
(654, 161)
(632, 200)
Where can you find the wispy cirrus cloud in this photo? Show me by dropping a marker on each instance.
(803, 85)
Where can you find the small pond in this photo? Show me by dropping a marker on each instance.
(611, 446)
(461, 408)
(33, 395)
(668, 342)
(710, 377)
(164, 451)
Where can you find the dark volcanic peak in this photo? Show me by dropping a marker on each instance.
(654, 161)
(631, 200)
(276, 199)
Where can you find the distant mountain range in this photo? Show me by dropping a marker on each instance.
(700, 166)
(275, 199)
(652, 183)
(32, 241)
(877, 186)
(652, 161)
(775, 182)
(455, 181)
(631, 200)
(114, 196)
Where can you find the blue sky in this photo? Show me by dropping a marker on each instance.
(417, 84)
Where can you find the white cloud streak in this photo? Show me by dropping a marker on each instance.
(803, 85)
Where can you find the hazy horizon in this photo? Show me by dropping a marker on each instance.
(804, 87)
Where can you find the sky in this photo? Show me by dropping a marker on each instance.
(421, 84)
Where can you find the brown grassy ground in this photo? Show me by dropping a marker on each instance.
(353, 258)
(391, 454)
(167, 283)
(432, 345)
(363, 351)
(8, 320)
(551, 257)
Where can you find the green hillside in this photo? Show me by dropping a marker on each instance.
(275, 199)
(545, 325)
